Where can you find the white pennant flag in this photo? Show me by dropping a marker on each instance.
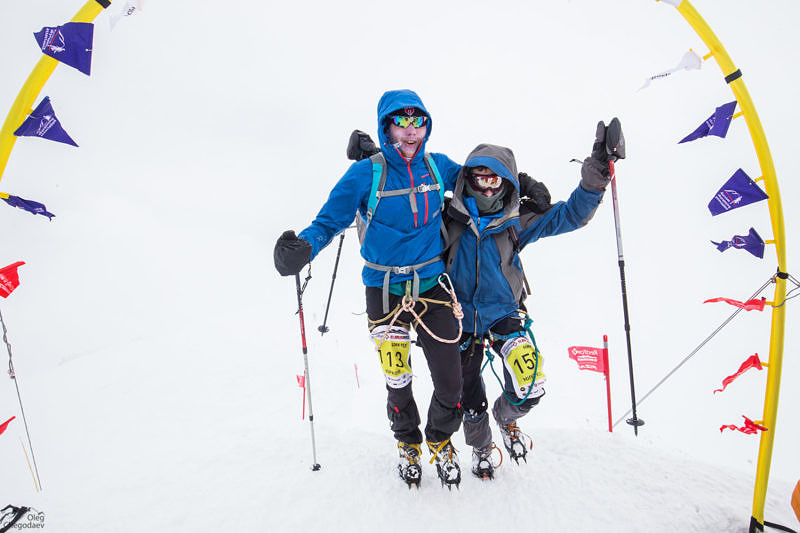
(690, 61)
(130, 8)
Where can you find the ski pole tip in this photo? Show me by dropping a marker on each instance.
(635, 422)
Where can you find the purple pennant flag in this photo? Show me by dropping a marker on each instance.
(43, 123)
(738, 191)
(717, 124)
(28, 205)
(71, 44)
(752, 242)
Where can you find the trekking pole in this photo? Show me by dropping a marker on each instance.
(323, 329)
(615, 144)
(315, 466)
(13, 376)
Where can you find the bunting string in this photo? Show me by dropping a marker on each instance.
(697, 349)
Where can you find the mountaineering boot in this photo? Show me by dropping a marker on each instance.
(408, 467)
(515, 441)
(482, 465)
(446, 462)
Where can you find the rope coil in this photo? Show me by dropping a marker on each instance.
(407, 304)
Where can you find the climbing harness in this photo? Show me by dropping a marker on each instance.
(408, 303)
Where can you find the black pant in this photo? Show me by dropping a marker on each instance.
(444, 411)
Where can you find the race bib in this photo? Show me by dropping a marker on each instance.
(520, 360)
(393, 353)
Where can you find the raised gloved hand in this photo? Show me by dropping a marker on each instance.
(360, 146)
(534, 194)
(291, 254)
(609, 144)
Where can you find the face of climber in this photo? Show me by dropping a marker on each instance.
(484, 181)
(408, 132)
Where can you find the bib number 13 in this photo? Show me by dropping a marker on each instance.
(394, 357)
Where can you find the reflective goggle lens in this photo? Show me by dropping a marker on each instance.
(404, 122)
(487, 181)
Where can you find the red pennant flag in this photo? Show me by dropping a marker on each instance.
(588, 358)
(749, 427)
(749, 305)
(9, 278)
(751, 362)
(5, 424)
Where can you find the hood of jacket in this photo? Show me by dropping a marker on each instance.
(501, 161)
(390, 102)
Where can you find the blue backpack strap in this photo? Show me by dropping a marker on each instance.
(378, 182)
(431, 164)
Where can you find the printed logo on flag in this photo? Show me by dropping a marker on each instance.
(45, 123)
(70, 44)
(53, 41)
(587, 357)
(752, 242)
(689, 61)
(738, 191)
(42, 122)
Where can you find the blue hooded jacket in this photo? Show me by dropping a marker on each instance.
(395, 236)
(483, 258)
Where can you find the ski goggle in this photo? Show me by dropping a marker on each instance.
(404, 122)
(483, 182)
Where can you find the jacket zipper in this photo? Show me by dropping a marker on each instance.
(411, 175)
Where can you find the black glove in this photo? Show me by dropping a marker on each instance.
(599, 147)
(534, 194)
(609, 142)
(360, 146)
(291, 254)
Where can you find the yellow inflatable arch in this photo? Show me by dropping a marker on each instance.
(734, 79)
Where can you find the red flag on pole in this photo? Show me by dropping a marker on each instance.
(751, 362)
(9, 278)
(588, 358)
(749, 427)
(749, 305)
(596, 360)
(5, 424)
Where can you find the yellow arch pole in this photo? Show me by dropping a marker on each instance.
(23, 105)
(734, 78)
